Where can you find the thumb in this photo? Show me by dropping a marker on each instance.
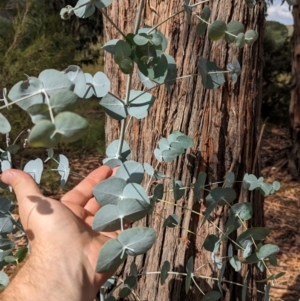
(23, 186)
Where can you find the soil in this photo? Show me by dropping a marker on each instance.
(282, 209)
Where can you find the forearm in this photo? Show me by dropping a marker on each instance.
(51, 279)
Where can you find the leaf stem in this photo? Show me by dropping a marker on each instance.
(138, 17)
(18, 100)
(123, 122)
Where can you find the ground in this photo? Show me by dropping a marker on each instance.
(282, 210)
(282, 214)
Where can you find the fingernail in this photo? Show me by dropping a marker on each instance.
(7, 176)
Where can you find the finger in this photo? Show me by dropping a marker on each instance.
(25, 189)
(84, 190)
(92, 206)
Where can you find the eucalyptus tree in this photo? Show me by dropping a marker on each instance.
(224, 124)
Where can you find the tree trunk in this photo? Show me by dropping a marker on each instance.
(294, 154)
(224, 124)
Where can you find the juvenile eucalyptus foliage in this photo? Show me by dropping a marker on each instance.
(50, 100)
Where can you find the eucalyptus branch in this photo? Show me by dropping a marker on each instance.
(138, 17)
(18, 100)
(158, 85)
(49, 107)
(123, 122)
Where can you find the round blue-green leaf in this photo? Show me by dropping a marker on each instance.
(107, 219)
(122, 51)
(131, 172)
(169, 155)
(112, 150)
(5, 205)
(76, 76)
(177, 147)
(251, 36)
(126, 65)
(6, 225)
(129, 285)
(102, 3)
(26, 88)
(211, 75)
(4, 281)
(109, 191)
(216, 29)
(205, 13)
(222, 196)
(164, 272)
(243, 210)
(211, 243)
(63, 169)
(267, 250)
(240, 40)
(140, 103)
(114, 106)
(35, 169)
(257, 233)
(173, 136)
(112, 162)
(4, 125)
(171, 221)
(157, 39)
(43, 135)
(84, 9)
(235, 263)
(212, 296)
(71, 126)
(189, 269)
(137, 241)
(63, 101)
(158, 192)
(111, 256)
(145, 80)
(133, 210)
(149, 169)
(163, 144)
(276, 185)
(250, 182)
(101, 84)
(38, 109)
(163, 45)
(201, 28)
(158, 155)
(233, 29)
(177, 190)
(89, 88)
(55, 81)
(6, 244)
(185, 141)
(141, 39)
(199, 185)
(135, 191)
(110, 46)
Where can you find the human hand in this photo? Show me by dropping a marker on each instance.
(64, 247)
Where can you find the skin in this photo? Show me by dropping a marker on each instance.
(64, 248)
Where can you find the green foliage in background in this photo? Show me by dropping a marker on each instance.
(276, 72)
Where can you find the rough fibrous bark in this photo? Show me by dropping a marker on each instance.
(224, 124)
(294, 110)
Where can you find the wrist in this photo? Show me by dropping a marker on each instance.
(59, 278)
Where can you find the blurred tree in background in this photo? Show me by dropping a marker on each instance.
(33, 38)
(276, 73)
